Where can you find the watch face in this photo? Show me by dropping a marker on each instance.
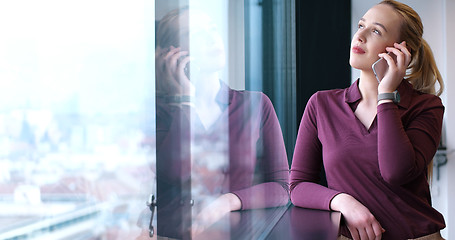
(397, 97)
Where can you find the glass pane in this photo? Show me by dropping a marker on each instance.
(220, 149)
(77, 128)
(87, 140)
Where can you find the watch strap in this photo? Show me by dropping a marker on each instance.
(177, 99)
(394, 96)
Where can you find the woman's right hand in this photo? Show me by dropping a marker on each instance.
(170, 74)
(361, 223)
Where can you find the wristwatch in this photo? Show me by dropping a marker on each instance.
(177, 99)
(394, 96)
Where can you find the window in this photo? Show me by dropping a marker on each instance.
(89, 132)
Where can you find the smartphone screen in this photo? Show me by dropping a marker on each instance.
(187, 70)
(380, 67)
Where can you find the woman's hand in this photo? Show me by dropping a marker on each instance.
(215, 211)
(170, 72)
(361, 223)
(397, 70)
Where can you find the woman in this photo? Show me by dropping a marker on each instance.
(375, 148)
(224, 145)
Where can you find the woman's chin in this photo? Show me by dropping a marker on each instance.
(356, 65)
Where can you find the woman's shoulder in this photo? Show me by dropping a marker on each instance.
(331, 93)
(428, 97)
(328, 96)
(254, 98)
(426, 100)
(414, 102)
(409, 91)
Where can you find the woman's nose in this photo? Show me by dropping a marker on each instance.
(360, 36)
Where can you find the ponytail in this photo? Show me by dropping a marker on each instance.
(424, 73)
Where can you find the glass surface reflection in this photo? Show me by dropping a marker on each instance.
(218, 149)
(76, 105)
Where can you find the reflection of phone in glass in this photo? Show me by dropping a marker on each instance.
(187, 70)
(380, 67)
(191, 68)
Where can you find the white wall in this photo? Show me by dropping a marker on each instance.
(449, 35)
(439, 27)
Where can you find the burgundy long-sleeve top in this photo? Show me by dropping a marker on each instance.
(258, 169)
(384, 167)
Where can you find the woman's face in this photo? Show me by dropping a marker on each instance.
(201, 38)
(377, 29)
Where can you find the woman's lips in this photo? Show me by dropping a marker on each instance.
(358, 50)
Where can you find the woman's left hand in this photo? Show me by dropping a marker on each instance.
(397, 70)
(215, 211)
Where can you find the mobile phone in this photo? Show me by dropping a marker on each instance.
(187, 70)
(380, 67)
(191, 68)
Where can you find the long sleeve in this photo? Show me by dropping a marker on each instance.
(307, 163)
(270, 183)
(404, 152)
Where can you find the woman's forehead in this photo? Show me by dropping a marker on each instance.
(383, 14)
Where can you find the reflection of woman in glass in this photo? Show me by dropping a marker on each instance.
(231, 140)
(375, 148)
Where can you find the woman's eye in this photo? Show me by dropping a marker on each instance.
(360, 26)
(376, 31)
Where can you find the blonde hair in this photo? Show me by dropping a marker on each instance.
(168, 29)
(424, 73)
(167, 35)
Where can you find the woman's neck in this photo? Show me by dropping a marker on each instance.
(367, 108)
(207, 87)
(368, 86)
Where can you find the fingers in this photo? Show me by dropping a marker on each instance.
(168, 59)
(169, 69)
(368, 233)
(396, 67)
(196, 229)
(172, 59)
(403, 48)
(377, 230)
(354, 233)
(390, 61)
(363, 234)
(403, 56)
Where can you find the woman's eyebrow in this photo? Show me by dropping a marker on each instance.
(375, 23)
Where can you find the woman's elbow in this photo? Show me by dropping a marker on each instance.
(398, 177)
